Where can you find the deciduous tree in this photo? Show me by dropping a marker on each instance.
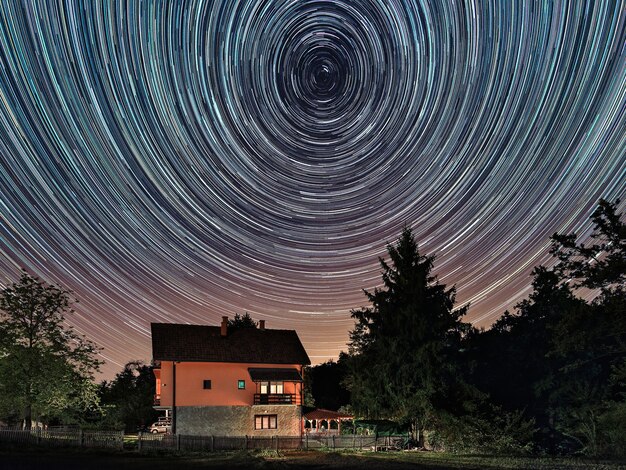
(601, 264)
(46, 368)
(129, 397)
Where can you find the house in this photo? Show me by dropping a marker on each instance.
(216, 380)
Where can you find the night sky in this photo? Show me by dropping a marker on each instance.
(179, 161)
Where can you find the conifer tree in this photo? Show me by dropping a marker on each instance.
(403, 347)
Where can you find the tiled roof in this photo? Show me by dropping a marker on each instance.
(326, 414)
(201, 343)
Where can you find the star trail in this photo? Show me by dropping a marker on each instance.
(179, 161)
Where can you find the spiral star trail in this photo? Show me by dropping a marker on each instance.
(179, 161)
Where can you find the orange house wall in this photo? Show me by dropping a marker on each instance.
(224, 377)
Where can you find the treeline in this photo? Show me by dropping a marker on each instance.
(549, 377)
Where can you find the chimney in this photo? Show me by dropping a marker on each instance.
(224, 329)
(261, 324)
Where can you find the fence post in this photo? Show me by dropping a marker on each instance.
(306, 441)
(212, 445)
(276, 443)
(38, 436)
(81, 440)
(139, 434)
(246, 441)
(376, 443)
(177, 441)
(333, 436)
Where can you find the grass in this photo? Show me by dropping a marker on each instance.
(446, 460)
(41, 457)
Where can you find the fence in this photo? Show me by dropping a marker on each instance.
(177, 442)
(64, 438)
(217, 443)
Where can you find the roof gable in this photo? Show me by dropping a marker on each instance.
(202, 343)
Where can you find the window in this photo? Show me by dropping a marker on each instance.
(265, 422)
(241, 384)
(276, 387)
(206, 384)
(271, 387)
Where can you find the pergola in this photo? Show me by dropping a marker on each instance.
(324, 421)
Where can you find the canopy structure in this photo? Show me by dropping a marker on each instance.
(274, 375)
(324, 421)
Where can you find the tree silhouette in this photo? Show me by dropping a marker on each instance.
(403, 348)
(601, 264)
(242, 321)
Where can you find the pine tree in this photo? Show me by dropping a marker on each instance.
(403, 348)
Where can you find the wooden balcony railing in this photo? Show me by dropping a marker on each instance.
(275, 399)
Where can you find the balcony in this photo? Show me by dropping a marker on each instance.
(275, 399)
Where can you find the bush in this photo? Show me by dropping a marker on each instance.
(503, 433)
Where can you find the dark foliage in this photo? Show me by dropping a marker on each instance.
(128, 399)
(327, 385)
(601, 264)
(404, 348)
(562, 360)
(242, 321)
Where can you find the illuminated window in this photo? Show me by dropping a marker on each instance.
(265, 422)
(241, 384)
(271, 387)
(206, 384)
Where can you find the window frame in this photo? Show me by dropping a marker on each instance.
(206, 382)
(272, 387)
(241, 384)
(264, 422)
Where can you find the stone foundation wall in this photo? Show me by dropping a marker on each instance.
(236, 420)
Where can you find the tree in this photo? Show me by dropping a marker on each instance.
(403, 349)
(129, 397)
(604, 262)
(592, 341)
(242, 321)
(46, 368)
(562, 360)
(514, 363)
(327, 384)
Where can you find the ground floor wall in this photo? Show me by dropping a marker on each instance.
(237, 420)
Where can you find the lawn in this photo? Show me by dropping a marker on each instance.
(75, 459)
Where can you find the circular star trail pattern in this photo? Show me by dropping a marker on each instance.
(179, 161)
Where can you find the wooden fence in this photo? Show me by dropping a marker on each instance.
(178, 442)
(64, 438)
(217, 443)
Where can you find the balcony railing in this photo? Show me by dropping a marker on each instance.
(275, 399)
